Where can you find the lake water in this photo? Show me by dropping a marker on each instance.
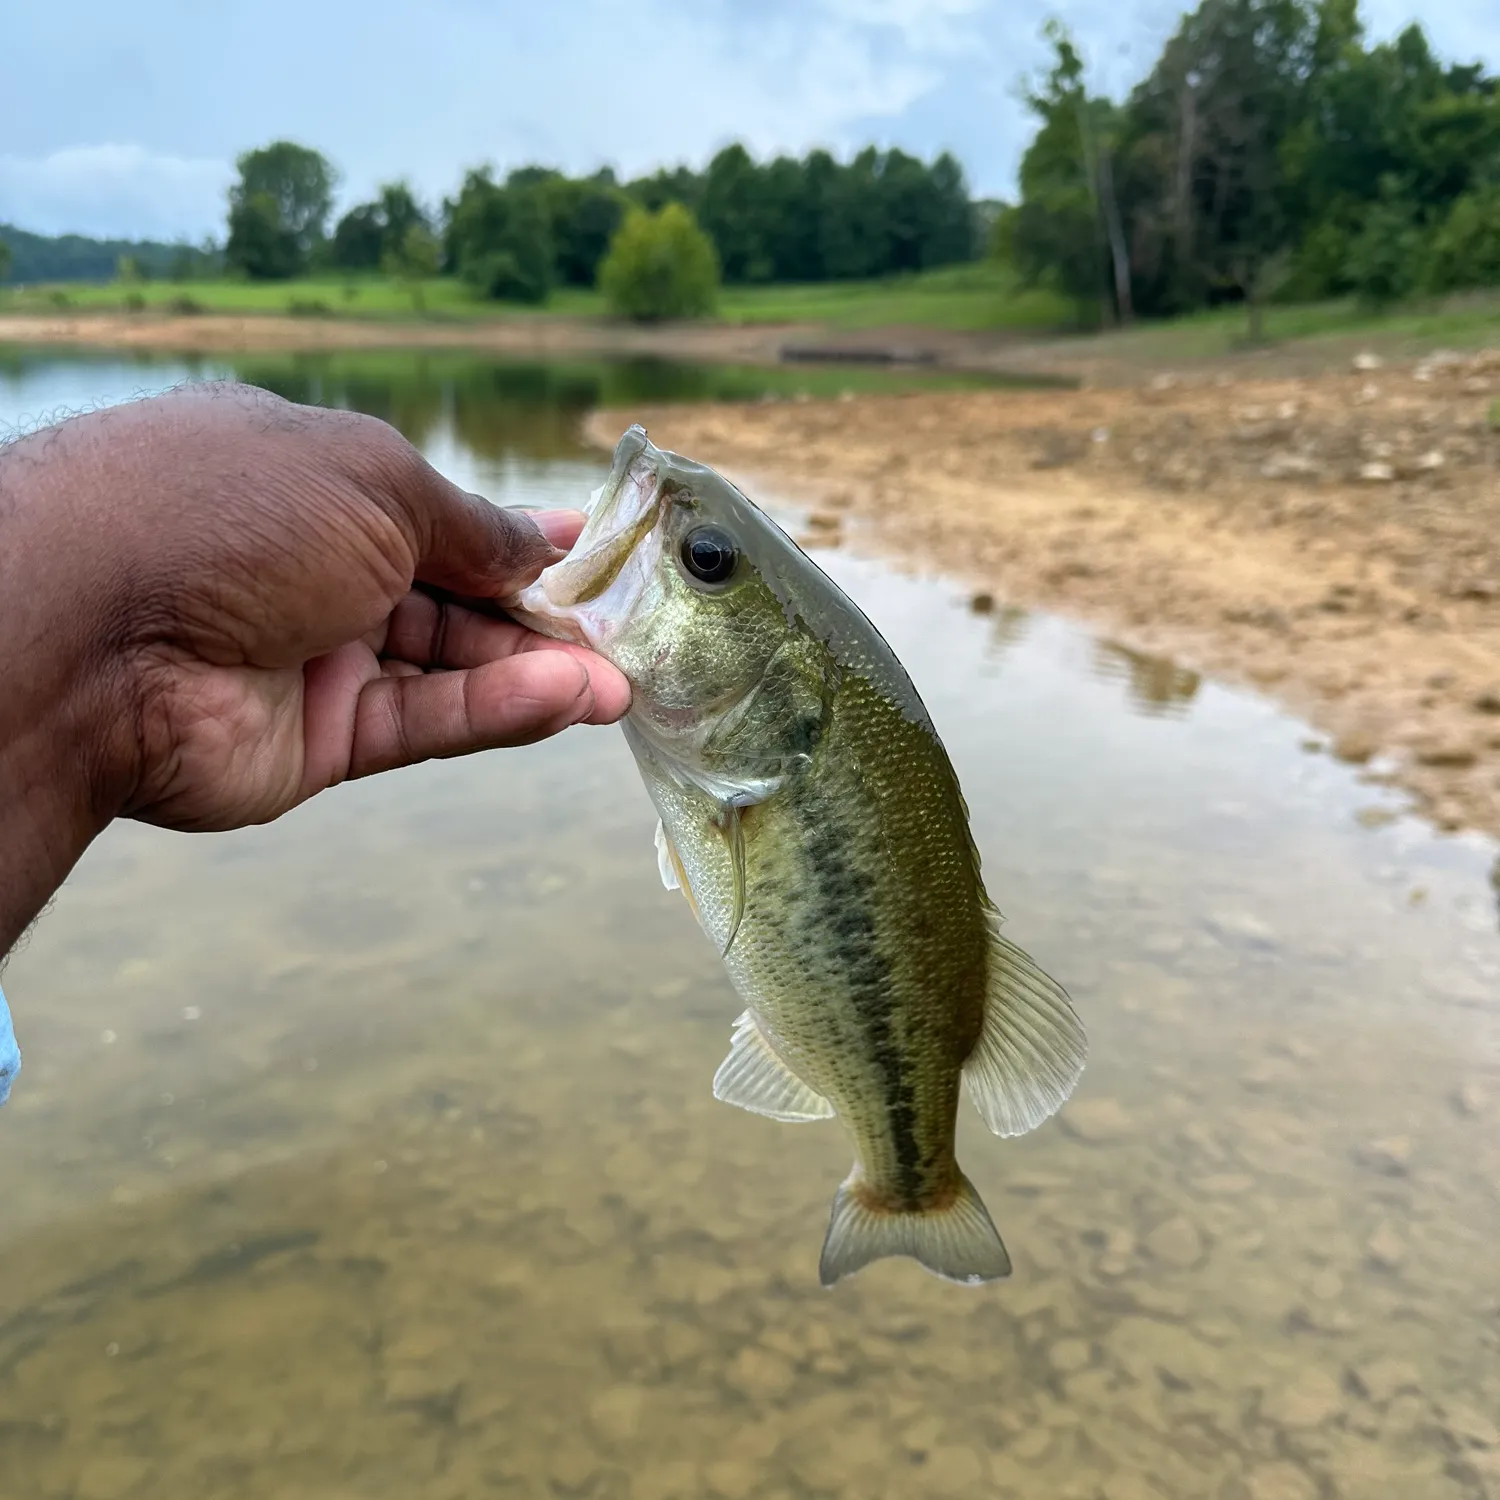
(373, 1154)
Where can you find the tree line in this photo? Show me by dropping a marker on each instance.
(1269, 152)
(812, 218)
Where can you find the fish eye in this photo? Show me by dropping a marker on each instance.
(709, 554)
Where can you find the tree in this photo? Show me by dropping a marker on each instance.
(732, 212)
(1465, 247)
(418, 258)
(499, 238)
(278, 210)
(259, 244)
(660, 265)
(5, 261)
(371, 233)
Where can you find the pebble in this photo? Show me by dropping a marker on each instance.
(1381, 1379)
(1389, 1155)
(982, 602)
(758, 1375)
(1488, 701)
(1067, 1355)
(1469, 1428)
(1279, 1481)
(1096, 1121)
(1176, 1243)
(1377, 473)
(110, 1478)
(616, 1413)
(949, 1470)
(1309, 1399)
(1366, 360)
(1385, 1249)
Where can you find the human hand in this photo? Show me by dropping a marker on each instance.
(243, 602)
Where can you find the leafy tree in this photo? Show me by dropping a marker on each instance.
(660, 265)
(359, 239)
(1465, 247)
(499, 238)
(1385, 257)
(259, 244)
(278, 210)
(732, 212)
(5, 261)
(418, 258)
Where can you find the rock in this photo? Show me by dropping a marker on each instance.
(1279, 1481)
(1382, 1379)
(759, 1375)
(1096, 1121)
(1176, 1242)
(1067, 1355)
(1241, 927)
(110, 1478)
(1390, 1155)
(950, 1470)
(732, 1478)
(1469, 1428)
(1469, 1098)
(1290, 466)
(1356, 746)
(615, 1414)
(1453, 753)
(1385, 1249)
(1124, 1486)
(1376, 473)
(677, 1480)
(1488, 701)
(982, 603)
(1309, 1399)
(1366, 360)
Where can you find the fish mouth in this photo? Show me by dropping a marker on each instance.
(594, 587)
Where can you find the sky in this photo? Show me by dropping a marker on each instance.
(126, 119)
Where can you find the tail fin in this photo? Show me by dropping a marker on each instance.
(958, 1242)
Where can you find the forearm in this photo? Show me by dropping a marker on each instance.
(64, 717)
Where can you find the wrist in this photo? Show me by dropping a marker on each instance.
(67, 741)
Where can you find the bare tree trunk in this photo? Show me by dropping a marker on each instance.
(1183, 206)
(1119, 251)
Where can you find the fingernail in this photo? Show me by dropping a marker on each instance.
(555, 524)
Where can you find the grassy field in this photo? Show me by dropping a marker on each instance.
(974, 297)
(978, 298)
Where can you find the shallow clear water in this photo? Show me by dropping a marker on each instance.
(373, 1153)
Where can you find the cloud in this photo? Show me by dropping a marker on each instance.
(112, 189)
(424, 89)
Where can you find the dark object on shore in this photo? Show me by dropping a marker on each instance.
(824, 354)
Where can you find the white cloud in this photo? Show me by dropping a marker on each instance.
(113, 189)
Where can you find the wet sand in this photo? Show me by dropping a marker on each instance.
(1333, 540)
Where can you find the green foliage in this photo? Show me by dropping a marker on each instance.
(6, 261)
(660, 265)
(499, 239)
(1385, 257)
(371, 234)
(1465, 247)
(417, 259)
(1268, 151)
(278, 210)
(582, 217)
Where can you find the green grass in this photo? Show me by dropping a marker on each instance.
(978, 297)
(1460, 320)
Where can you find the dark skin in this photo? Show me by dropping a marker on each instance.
(215, 604)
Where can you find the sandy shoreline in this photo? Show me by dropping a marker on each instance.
(1332, 540)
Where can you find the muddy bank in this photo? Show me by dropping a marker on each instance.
(1332, 539)
(537, 336)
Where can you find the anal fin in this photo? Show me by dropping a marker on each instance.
(1032, 1049)
(754, 1078)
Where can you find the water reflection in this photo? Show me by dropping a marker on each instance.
(373, 1153)
(1156, 684)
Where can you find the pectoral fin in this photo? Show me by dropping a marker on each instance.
(753, 1077)
(729, 825)
(666, 860)
(1032, 1048)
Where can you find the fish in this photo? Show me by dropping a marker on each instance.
(810, 815)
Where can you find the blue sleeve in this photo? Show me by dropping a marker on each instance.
(10, 1054)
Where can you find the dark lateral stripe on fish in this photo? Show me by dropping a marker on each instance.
(842, 897)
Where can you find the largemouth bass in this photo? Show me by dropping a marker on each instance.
(810, 815)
